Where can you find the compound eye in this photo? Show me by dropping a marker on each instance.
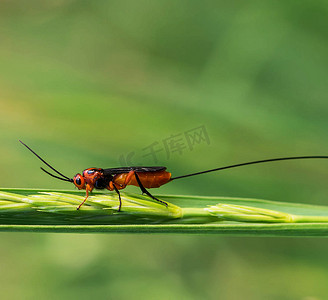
(79, 181)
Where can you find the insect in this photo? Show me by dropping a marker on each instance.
(115, 179)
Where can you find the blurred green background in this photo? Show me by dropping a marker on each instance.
(94, 83)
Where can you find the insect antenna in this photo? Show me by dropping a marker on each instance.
(65, 178)
(250, 163)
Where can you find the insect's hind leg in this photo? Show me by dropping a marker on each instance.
(143, 189)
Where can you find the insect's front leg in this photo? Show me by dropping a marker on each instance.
(88, 189)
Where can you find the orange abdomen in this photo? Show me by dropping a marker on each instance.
(148, 179)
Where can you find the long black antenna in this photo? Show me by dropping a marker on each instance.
(70, 180)
(52, 168)
(249, 163)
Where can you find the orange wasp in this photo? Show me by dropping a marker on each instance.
(115, 179)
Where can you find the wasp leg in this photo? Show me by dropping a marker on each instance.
(85, 199)
(143, 189)
(119, 196)
(128, 178)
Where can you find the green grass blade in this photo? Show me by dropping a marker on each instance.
(55, 211)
